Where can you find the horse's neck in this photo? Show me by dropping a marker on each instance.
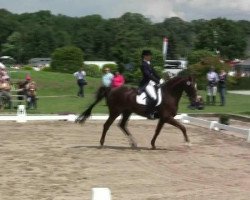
(175, 90)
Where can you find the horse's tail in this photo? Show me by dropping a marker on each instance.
(101, 93)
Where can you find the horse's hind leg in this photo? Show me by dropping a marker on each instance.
(177, 124)
(123, 126)
(106, 126)
(157, 132)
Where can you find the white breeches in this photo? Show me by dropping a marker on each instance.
(150, 89)
(211, 91)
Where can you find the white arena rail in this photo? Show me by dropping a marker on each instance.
(215, 126)
(23, 117)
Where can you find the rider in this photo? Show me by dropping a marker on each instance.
(149, 74)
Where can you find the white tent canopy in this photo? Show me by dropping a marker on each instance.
(2, 66)
(6, 57)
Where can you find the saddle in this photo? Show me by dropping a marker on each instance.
(148, 93)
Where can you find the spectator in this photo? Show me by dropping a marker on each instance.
(212, 78)
(222, 86)
(4, 74)
(198, 104)
(118, 80)
(80, 76)
(4, 93)
(31, 95)
(107, 78)
(23, 87)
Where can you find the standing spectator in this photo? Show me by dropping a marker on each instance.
(80, 76)
(107, 78)
(222, 86)
(212, 78)
(118, 80)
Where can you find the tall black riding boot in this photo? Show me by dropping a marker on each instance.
(150, 110)
(214, 100)
(208, 100)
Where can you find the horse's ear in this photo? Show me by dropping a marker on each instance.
(191, 78)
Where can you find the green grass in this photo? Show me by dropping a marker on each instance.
(235, 104)
(59, 84)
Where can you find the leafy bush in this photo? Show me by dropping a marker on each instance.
(67, 59)
(92, 70)
(200, 69)
(224, 119)
(46, 69)
(197, 55)
(239, 83)
(27, 67)
(113, 67)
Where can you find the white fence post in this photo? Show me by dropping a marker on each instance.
(184, 118)
(212, 125)
(21, 114)
(101, 194)
(248, 138)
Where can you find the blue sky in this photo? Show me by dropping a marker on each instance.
(156, 10)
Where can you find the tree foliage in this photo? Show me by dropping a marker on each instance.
(226, 36)
(200, 69)
(39, 34)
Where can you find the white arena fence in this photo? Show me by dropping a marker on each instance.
(215, 125)
(184, 118)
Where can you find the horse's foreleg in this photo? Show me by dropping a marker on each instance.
(123, 126)
(106, 126)
(157, 132)
(177, 124)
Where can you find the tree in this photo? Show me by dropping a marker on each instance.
(221, 34)
(197, 56)
(8, 25)
(13, 46)
(67, 59)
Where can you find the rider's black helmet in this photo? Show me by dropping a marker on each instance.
(146, 53)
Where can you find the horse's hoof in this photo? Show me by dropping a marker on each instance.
(133, 145)
(101, 142)
(153, 148)
(188, 144)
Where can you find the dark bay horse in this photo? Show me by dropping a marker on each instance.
(122, 101)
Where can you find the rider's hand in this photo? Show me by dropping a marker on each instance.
(161, 81)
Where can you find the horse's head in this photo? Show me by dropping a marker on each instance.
(178, 84)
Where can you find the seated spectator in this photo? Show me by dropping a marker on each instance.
(118, 80)
(22, 87)
(198, 104)
(5, 97)
(31, 95)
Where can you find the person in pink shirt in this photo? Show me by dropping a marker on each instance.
(118, 80)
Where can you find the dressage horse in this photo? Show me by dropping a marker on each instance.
(122, 101)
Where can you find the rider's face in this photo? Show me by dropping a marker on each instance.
(148, 57)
